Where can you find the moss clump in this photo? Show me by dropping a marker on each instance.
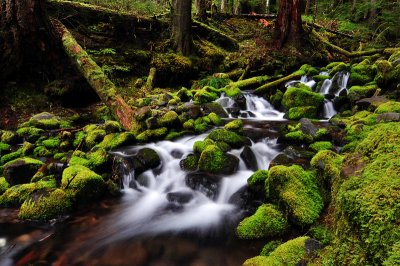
(200, 145)
(291, 252)
(46, 121)
(276, 99)
(21, 170)
(45, 206)
(42, 151)
(321, 145)
(115, 140)
(229, 137)
(358, 92)
(231, 91)
(189, 163)
(111, 126)
(266, 222)
(172, 64)
(298, 137)
(200, 126)
(235, 126)
(189, 125)
(336, 67)
(297, 97)
(258, 178)
(4, 148)
(214, 160)
(16, 195)
(297, 113)
(362, 73)
(152, 134)
(9, 137)
(3, 185)
(215, 119)
(11, 156)
(85, 184)
(205, 95)
(309, 70)
(296, 189)
(322, 234)
(169, 119)
(269, 247)
(394, 256)
(94, 137)
(52, 143)
(79, 138)
(93, 160)
(390, 106)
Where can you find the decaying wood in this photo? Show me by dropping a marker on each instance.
(315, 25)
(151, 78)
(271, 85)
(215, 36)
(95, 76)
(230, 75)
(254, 81)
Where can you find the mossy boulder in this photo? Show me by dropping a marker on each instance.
(144, 160)
(94, 137)
(11, 156)
(3, 185)
(9, 137)
(213, 160)
(298, 137)
(297, 191)
(46, 120)
(169, 119)
(111, 126)
(292, 252)
(358, 92)
(44, 205)
(115, 140)
(233, 139)
(390, 106)
(4, 148)
(298, 97)
(85, 184)
(42, 151)
(95, 160)
(257, 178)
(16, 195)
(20, 171)
(266, 222)
(321, 145)
(206, 95)
(235, 126)
(51, 143)
(190, 163)
(336, 67)
(214, 107)
(152, 134)
(215, 119)
(296, 113)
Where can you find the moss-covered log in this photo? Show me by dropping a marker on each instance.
(95, 76)
(268, 86)
(246, 83)
(151, 78)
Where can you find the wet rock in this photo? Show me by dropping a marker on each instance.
(207, 184)
(247, 200)
(249, 158)
(213, 160)
(388, 117)
(189, 163)
(341, 103)
(21, 171)
(233, 139)
(179, 197)
(191, 110)
(241, 101)
(214, 107)
(307, 127)
(144, 160)
(367, 103)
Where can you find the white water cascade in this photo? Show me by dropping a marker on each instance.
(147, 207)
(256, 108)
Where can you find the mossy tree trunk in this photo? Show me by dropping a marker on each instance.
(182, 26)
(27, 40)
(288, 26)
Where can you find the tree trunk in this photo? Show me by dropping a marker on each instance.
(307, 11)
(27, 39)
(288, 23)
(224, 6)
(201, 10)
(182, 26)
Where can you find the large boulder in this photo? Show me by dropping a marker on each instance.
(20, 171)
(298, 97)
(233, 139)
(144, 160)
(213, 160)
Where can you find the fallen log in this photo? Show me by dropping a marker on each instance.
(329, 30)
(271, 85)
(95, 76)
(214, 35)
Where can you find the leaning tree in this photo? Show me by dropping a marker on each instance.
(288, 26)
(182, 26)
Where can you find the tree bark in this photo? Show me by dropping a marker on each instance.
(201, 10)
(182, 26)
(27, 39)
(288, 23)
(224, 6)
(308, 8)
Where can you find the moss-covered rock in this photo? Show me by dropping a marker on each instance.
(169, 119)
(235, 126)
(322, 234)
(152, 134)
(206, 94)
(4, 148)
(276, 99)
(51, 143)
(213, 160)
(291, 252)
(11, 156)
(298, 137)
(42, 151)
(266, 222)
(297, 190)
(321, 145)
(111, 126)
(214, 107)
(296, 113)
(190, 163)
(215, 119)
(95, 160)
(9, 137)
(297, 97)
(16, 195)
(46, 120)
(94, 137)
(257, 178)
(336, 67)
(233, 139)
(3, 185)
(145, 159)
(20, 171)
(390, 106)
(44, 205)
(115, 140)
(85, 184)
(358, 92)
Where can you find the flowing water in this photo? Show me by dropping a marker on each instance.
(161, 218)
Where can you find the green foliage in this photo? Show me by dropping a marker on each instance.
(322, 234)
(215, 82)
(266, 222)
(189, 163)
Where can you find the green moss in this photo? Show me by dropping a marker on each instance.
(322, 234)
(85, 184)
(231, 91)
(47, 121)
(3, 185)
(296, 113)
(16, 195)
(11, 156)
(269, 247)
(115, 140)
(291, 252)
(41, 151)
(79, 137)
(358, 92)
(169, 119)
(200, 126)
(319, 78)
(111, 126)
(200, 145)
(214, 160)
(337, 67)
(393, 255)
(152, 134)
(229, 137)
(189, 163)
(93, 160)
(321, 145)
(215, 82)
(94, 137)
(276, 99)
(297, 190)
(297, 97)
(189, 125)
(19, 171)
(172, 64)
(258, 178)
(4, 148)
(235, 126)
(9, 137)
(390, 106)
(27, 148)
(359, 79)
(49, 205)
(309, 70)
(298, 137)
(52, 143)
(266, 222)
(205, 95)
(215, 119)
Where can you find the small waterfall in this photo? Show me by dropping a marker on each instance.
(254, 107)
(148, 208)
(342, 80)
(326, 86)
(329, 110)
(334, 86)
